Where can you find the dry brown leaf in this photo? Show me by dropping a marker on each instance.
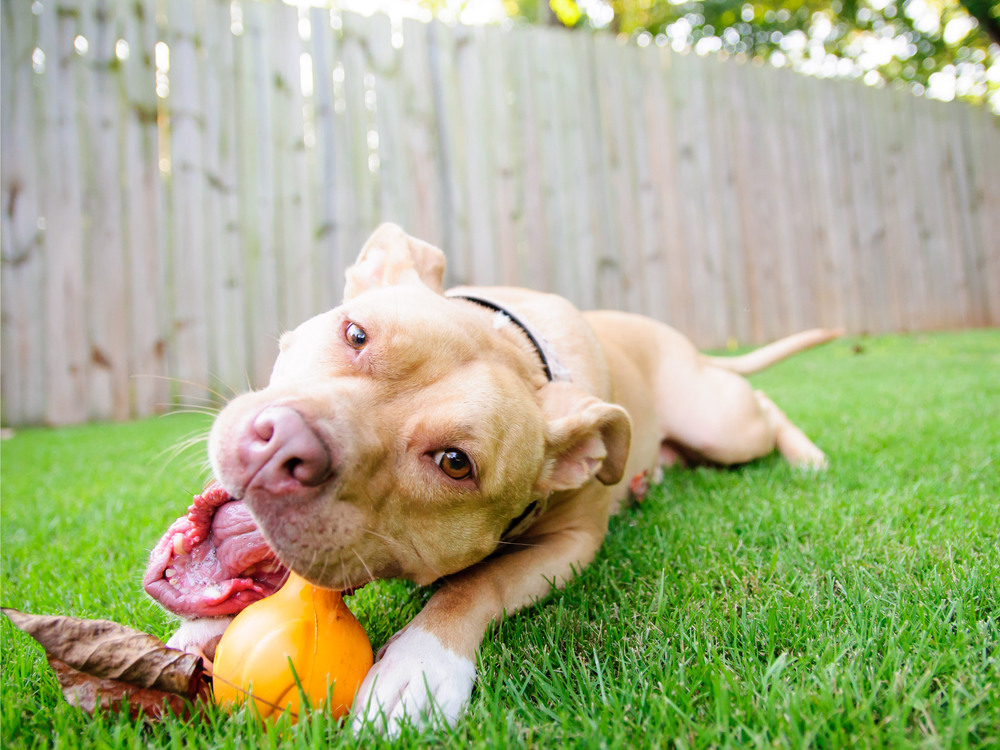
(89, 693)
(102, 664)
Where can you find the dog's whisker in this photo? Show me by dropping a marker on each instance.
(343, 574)
(184, 444)
(182, 381)
(322, 571)
(506, 543)
(173, 453)
(206, 406)
(433, 568)
(383, 537)
(196, 466)
(326, 565)
(368, 570)
(204, 411)
(230, 387)
(209, 399)
(171, 409)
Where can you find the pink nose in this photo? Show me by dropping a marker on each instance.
(281, 453)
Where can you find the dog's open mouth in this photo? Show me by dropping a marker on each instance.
(213, 561)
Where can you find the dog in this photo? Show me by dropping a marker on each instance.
(415, 433)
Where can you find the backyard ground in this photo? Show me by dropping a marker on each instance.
(747, 608)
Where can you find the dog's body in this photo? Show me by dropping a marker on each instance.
(414, 434)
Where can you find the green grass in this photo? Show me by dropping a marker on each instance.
(745, 608)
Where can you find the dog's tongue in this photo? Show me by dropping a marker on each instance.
(213, 561)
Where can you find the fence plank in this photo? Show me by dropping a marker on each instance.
(914, 269)
(293, 246)
(872, 212)
(444, 42)
(256, 181)
(187, 251)
(678, 288)
(142, 197)
(782, 273)
(983, 151)
(842, 262)
(582, 234)
(594, 236)
(930, 219)
(722, 201)
(956, 199)
(106, 292)
(422, 145)
(888, 135)
(616, 277)
(799, 152)
(330, 170)
(712, 158)
(359, 121)
(23, 315)
(226, 285)
(66, 399)
(557, 196)
(646, 272)
(476, 113)
(975, 244)
(624, 179)
(322, 172)
(751, 216)
(533, 258)
(498, 136)
(394, 179)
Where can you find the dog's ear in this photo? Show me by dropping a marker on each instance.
(585, 438)
(390, 257)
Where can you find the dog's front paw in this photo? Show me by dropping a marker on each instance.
(416, 679)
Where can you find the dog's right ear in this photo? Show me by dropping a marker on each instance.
(586, 438)
(391, 257)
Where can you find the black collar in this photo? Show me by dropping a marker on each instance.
(489, 304)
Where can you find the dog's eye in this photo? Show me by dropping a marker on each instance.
(356, 336)
(454, 463)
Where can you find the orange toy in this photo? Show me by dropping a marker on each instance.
(310, 626)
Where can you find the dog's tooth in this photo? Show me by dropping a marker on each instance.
(178, 543)
(170, 572)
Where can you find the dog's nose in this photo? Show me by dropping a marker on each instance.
(282, 453)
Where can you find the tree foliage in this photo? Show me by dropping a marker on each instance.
(948, 48)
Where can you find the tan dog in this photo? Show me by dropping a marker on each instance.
(409, 433)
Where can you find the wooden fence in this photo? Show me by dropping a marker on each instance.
(183, 180)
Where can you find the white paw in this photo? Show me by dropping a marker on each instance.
(416, 679)
(811, 459)
(200, 636)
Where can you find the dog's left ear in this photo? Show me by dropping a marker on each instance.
(585, 438)
(390, 257)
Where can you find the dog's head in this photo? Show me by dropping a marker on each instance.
(400, 435)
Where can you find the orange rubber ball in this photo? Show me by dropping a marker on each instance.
(310, 627)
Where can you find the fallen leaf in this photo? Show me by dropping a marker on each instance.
(102, 664)
(89, 693)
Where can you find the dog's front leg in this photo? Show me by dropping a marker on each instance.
(425, 673)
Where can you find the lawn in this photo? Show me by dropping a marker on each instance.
(746, 608)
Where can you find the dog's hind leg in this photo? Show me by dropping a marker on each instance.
(721, 419)
(790, 441)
